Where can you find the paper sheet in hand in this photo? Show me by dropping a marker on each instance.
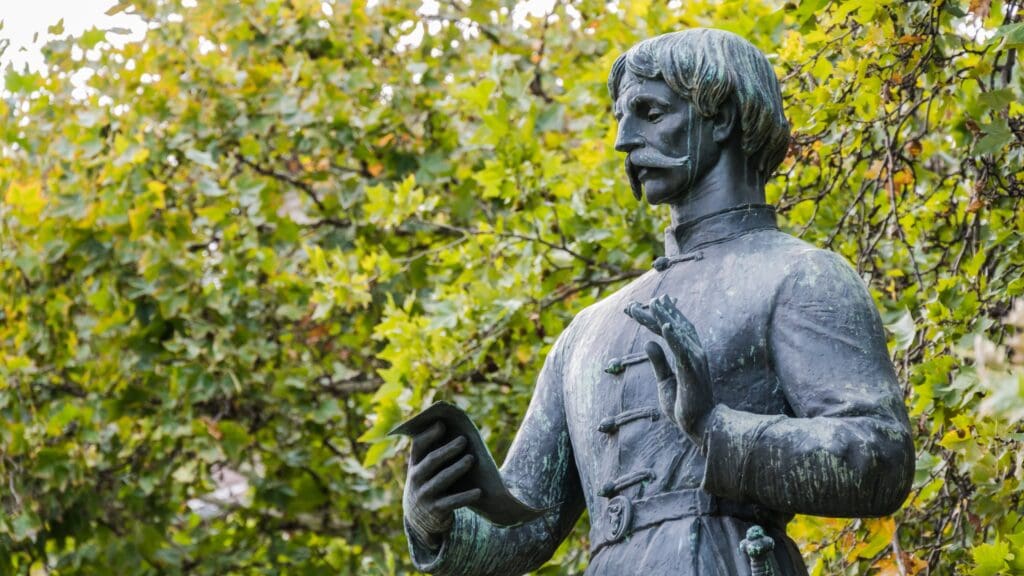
(497, 504)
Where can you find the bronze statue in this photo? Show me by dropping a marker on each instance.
(775, 395)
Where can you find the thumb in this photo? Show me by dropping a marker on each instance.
(666, 380)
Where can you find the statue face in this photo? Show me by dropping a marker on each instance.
(670, 145)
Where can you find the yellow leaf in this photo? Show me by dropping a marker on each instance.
(980, 8)
(523, 354)
(880, 531)
(874, 171)
(882, 526)
(140, 156)
(138, 219)
(211, 427)
(157, 190)
(27, 199)
(638, 8)
(887, 567)
(975, 205)
(121, 143)
(904, 177)
(815, 37)
(911, 39)
(953, 437)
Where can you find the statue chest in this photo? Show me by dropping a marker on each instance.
(619, 432)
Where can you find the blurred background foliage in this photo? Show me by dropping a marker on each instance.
(261, 236)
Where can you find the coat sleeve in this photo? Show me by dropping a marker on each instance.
(846, 449)
(541, 471)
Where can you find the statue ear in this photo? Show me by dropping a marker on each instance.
(726, 120)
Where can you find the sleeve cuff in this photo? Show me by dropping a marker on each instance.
(423, 557)
(730, 437)
(431, 561)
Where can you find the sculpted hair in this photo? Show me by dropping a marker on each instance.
(707, 67)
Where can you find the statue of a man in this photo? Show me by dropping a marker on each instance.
(741, 381)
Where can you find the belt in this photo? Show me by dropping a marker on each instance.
(623, 517)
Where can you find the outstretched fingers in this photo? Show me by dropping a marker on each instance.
(659, 362)
(642, 314)
(665, 312)
(677, 343)
(678, 332)
(667, 386)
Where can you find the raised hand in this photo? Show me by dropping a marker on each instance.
(685, 394)
(428, 502)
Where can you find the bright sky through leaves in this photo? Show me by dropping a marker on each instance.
(24, 20)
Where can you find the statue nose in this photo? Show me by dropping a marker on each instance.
(628, 143)
(628, 138)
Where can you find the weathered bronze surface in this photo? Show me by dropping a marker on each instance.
(775, 394)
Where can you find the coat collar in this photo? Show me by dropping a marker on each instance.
(718, 227)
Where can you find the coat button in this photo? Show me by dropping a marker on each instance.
(608, 426)
(615, 366)
(619, 515)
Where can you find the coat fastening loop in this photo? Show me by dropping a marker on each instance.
(618, 365)
(622, 482)
(663, 263)
(612, 424)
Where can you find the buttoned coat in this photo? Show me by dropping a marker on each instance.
(809, 417)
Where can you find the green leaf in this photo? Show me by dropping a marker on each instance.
(90, 38)
(15, 82)
(211, 189)
(990, 559)
(954, 8)
(118, 8)
(904, 330)
(998, 99)
(201, 157)
(997, 135)
(24, 526)
(1012, 35)
(376, 453)
(57, 29)
(234, 438)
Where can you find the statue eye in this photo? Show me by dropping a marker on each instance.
(649, 112)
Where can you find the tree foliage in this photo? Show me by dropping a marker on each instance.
(272, 229)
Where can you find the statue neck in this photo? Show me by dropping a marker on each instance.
(717, 227)
(731, 182)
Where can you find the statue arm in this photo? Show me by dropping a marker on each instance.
(847, 449)
(540, 470)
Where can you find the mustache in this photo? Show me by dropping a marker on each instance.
(648, 158)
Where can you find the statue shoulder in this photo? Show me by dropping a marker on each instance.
(615, 303)
(819, 274)
(611, 307)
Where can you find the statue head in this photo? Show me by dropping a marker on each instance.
(684, 98)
